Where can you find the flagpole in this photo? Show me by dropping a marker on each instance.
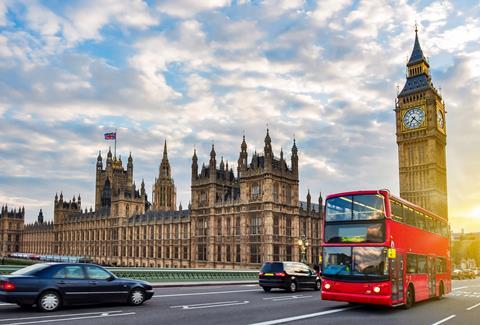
(115, 147)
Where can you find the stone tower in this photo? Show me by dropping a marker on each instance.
(115, 190)
(421, 137)
(164, 191)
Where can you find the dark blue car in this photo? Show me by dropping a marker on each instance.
(52, 285)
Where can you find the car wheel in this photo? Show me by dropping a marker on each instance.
(292, 287)
(266, 289)
(410, 298)
(318, 286)
(49, 301)
(136, 297)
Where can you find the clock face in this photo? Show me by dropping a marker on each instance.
(440, 119)
(413, 118)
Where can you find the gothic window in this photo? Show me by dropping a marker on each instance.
(276, 225)
(229, 226)
(288, 226)
(288, 253)
(228, 254)
(202, 252)
(127, 210)
(288, 194)
(255, 225)
(237, 226)
(238, 257)
(254, 253)
(275, 192)
(219, 226)
(185, 252)
(276, 252)
(219, 253)
(255, 191)
(185, 231)
(202, 200)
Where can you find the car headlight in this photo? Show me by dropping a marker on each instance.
(327, 286)
(376, 289)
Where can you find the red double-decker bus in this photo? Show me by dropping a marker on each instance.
(381, 249)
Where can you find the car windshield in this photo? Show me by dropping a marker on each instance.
(31, 270)
(272, 267)
(356, 207)
(355, 232)
(355, 263)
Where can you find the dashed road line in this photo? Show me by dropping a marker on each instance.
(61, 315)
(72, 318)
(458, 288)
(474, 306)
(444, 320)
(212, 304)
(291, 319)
(280, 298)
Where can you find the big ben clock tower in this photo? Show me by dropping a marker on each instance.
(421, 137)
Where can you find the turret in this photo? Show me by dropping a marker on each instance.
(294, 158)
(99, 161)
(79, 200)
(309, 201)
(213, 164)
(194, 165)
(142, 188)
(320, 203)
(40, 217)
(130, 168)
(242, 160)
(268, 151)
(222, 165)
(109, 158)
(56, 198)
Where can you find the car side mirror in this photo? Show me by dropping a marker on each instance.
(111, 278)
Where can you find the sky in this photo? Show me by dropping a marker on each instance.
(202, 72)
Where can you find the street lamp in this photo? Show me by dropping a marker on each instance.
(303, 243)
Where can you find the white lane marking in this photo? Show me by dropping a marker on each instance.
(72, 318)
(6, 304)
(212, 304)
(250, 285)
(444, 320)
(291, 319)
(474, 306)
(458, 288)
(202, 293)
(286, 298)
(62, 315)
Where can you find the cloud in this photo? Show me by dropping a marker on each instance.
(189, 8)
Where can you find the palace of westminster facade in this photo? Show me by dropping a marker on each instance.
(236, 219)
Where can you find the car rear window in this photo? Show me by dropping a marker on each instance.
(31, 270)
(272, 267)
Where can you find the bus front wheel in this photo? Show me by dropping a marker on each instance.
(410, 298)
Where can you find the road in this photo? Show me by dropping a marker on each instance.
(248, 304)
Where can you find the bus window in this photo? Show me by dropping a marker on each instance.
(421, 264)
(441, 265)
(409, 215)
(430, 224)
(411, 263)
(397, 211)
(444, 229)
(420, 220)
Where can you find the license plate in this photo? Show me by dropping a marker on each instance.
(268, 274)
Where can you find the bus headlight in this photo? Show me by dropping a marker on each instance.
(327, 286)
(376, 289)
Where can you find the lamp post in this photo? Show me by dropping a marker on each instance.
(303, 243)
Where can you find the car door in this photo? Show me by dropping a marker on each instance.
(104, 287)
(301, 274)
(72, 283)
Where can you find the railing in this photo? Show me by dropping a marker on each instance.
(169, 275)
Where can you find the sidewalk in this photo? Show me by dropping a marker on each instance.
(200, 283)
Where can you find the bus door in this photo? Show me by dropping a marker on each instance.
(397, 277)
(432, 283)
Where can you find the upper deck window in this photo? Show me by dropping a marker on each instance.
(356, 207)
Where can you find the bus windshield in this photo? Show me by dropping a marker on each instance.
(355, 207)
(355, 263)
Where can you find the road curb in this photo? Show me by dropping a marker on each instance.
(198, 284)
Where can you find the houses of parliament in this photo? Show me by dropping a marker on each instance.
(236, 218)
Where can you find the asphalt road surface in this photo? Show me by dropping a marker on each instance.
(248, 304)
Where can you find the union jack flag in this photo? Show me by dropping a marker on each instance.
(110, 136)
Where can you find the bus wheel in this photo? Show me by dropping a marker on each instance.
(441, 291)
(410, 298)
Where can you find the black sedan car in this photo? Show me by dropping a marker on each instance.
(51, 285)
(288, 275)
